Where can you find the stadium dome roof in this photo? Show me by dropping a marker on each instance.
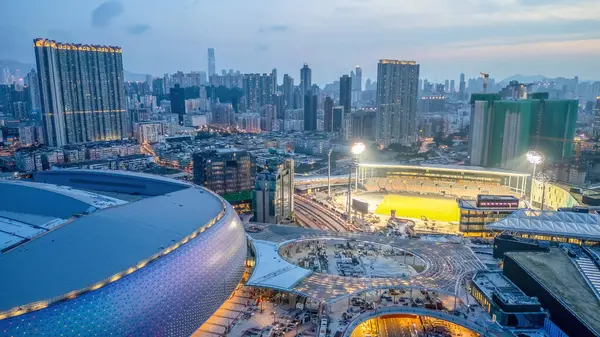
(565, 224)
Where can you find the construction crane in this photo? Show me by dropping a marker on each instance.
(485, 80)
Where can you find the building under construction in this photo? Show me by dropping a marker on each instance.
(502, 131)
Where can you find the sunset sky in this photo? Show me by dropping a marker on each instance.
(447, 37)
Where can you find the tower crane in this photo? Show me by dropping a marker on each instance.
(485, 80)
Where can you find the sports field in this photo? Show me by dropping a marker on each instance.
(438, 209)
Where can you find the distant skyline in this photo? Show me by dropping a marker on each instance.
(501, 37)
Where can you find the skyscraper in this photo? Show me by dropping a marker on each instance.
(258, 90)
(447, 86)
(310, 112)
(397, 92)
(274, 79)
(81, 92)
(211, 62)
(462, 87)
(305, 79)
(338, 119)
(346, 93)
(288, 91)
(177, 97)
(34, 90)
(357, 85)
(452, 87)
(279, 102)
(327, 114)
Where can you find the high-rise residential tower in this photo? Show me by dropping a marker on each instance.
(34, 90)
(81, 92)
(310, 112)
(397, 93)
(258, 90)
(327, 114)
(211, 62)
(177, 98)
(346, 93)
(357, 85)
(288, 91)
(462, 87)
(305, 79)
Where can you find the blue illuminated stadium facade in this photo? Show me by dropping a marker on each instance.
(197, 258)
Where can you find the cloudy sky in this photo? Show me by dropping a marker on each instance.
(501, 37)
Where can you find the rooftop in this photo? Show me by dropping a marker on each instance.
(495, 282)
(557, 273)
(564, 224)
(449, 168)
(92, 247)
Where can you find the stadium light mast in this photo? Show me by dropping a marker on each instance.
(357, 149)
(536, 158)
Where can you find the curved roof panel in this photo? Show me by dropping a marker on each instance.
(565, 224)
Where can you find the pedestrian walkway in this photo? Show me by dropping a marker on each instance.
(590, 270)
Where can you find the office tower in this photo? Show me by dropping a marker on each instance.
(279, 102)
(446, 86)
(338, 118)
(228, 172)
(258, 90)
(305, 79)
(502, 131)
(357, 84)
(288, 91)
(34, 90)
(397, 84)
(327, 114)
(462, 88)
(273, 195)
(346, 93)
(177, 98)
(212, 68)
(310, 112)
(452, 88)
(81, 92)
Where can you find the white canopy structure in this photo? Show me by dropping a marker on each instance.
(582, 226)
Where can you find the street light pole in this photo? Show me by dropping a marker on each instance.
(329, 173)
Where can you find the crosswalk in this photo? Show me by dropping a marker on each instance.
(590, 270)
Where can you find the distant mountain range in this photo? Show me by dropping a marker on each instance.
(525, 78)
(25, 67)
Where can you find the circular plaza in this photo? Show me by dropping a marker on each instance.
(353, 258)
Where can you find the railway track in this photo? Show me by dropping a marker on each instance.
(311, 214)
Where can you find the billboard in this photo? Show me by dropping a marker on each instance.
(360, 206)
(503, 201)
